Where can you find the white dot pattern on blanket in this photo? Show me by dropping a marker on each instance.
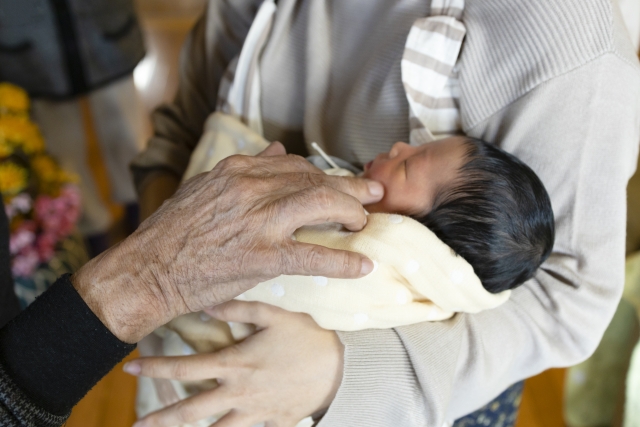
(457, 276)
(204, 317)
(277, 290)
(210, 152)
(411, 266)
(403, 297)
(395, 219)
(241, 144)
(360, 318)
(320, 280)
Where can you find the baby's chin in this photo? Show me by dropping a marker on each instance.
(376, 208)
(385, 206)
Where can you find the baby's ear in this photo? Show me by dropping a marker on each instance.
(274, 149)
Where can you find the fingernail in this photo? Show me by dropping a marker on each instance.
(132, 368)
(375, 188)
(367, 267)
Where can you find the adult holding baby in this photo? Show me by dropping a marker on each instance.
(219, 235)
(556, 84)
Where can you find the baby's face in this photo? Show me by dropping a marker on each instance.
(411, 176)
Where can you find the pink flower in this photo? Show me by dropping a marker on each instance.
(72, 194)
(61, 214)
(24, 236)
(24, 264)
(46, 246)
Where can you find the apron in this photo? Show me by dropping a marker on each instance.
(429, 75)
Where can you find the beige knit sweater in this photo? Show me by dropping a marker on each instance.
(554, 82)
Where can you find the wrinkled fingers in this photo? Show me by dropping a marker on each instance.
(366, 191)
(268, 165)
(320, 204)
(313, 260)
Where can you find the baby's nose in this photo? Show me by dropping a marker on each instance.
(397, 148)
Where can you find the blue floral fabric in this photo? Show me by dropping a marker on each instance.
(501, 412)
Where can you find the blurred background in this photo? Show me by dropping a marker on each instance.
(79, 132)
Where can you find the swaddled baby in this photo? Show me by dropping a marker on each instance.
(461, 223)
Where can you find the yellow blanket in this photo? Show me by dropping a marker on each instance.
(417, 277)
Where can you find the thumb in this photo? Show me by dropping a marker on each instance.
(313, 260)
(260, 314)
(274, 149)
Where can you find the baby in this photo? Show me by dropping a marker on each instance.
(483, 202)
(461, 223)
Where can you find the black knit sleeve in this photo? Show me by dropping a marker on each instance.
(16, 410)
(55, 352)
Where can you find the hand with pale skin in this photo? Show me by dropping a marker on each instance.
(289, 369)
(222, 233)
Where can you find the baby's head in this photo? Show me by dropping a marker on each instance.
(483, 202)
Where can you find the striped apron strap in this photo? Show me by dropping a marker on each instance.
(428, 74)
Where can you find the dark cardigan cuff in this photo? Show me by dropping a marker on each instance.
(16, 410)
(57, 349)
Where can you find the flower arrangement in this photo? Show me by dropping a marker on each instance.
(41, 200)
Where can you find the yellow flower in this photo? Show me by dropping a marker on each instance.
(45, 168)
(68, 177)
(51, 177)
(19, 131)
(5, 149)
(13, 99)
(13, 179)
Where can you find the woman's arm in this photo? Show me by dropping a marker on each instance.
(214, 41)
(579, 132)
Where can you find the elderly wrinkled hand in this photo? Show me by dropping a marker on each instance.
(222, 233)
(290, 368)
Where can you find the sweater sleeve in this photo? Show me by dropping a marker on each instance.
(579, 132)
(51, 355)
(214, 41)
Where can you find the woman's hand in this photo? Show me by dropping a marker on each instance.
(289, 369)
(222, 233)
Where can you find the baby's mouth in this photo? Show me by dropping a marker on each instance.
(368, 165)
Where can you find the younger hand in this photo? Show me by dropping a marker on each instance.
(288, 370)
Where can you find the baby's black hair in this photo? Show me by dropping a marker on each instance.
(496, 215)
